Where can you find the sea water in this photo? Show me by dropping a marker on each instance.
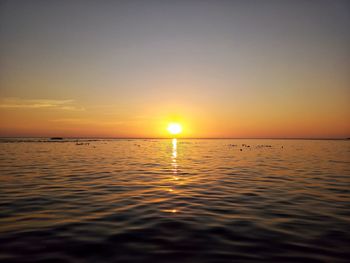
(179, 200)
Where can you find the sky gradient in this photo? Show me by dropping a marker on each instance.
(221, 68)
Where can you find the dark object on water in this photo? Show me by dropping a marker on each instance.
(264, 146)
(56, 138)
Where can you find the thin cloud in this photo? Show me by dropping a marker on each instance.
(18, 103)
(87, 121)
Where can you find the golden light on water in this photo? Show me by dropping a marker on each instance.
(174, 128)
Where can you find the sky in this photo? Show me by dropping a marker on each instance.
(223, 69)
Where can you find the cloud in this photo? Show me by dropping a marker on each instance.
(18, 103)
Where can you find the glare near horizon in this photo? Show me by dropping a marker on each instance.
(251, 69)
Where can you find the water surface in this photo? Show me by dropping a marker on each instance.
(174, 200)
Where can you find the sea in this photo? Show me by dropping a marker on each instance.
(174, 200)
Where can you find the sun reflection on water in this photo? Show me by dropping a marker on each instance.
(174, 142)
(174, 168)
(174, 156)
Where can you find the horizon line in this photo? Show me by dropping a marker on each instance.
(186, 138)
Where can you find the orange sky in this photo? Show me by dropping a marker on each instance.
(220, 68)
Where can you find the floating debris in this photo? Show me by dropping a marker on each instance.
(264, 146)
(82, 143)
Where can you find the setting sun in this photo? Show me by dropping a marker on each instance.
(174, 128)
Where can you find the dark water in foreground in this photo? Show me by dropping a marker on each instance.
(175, 201)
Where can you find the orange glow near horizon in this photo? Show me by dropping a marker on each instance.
(17, 122)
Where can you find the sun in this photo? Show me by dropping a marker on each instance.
(174, 128)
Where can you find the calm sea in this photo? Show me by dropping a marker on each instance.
(174, 200)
